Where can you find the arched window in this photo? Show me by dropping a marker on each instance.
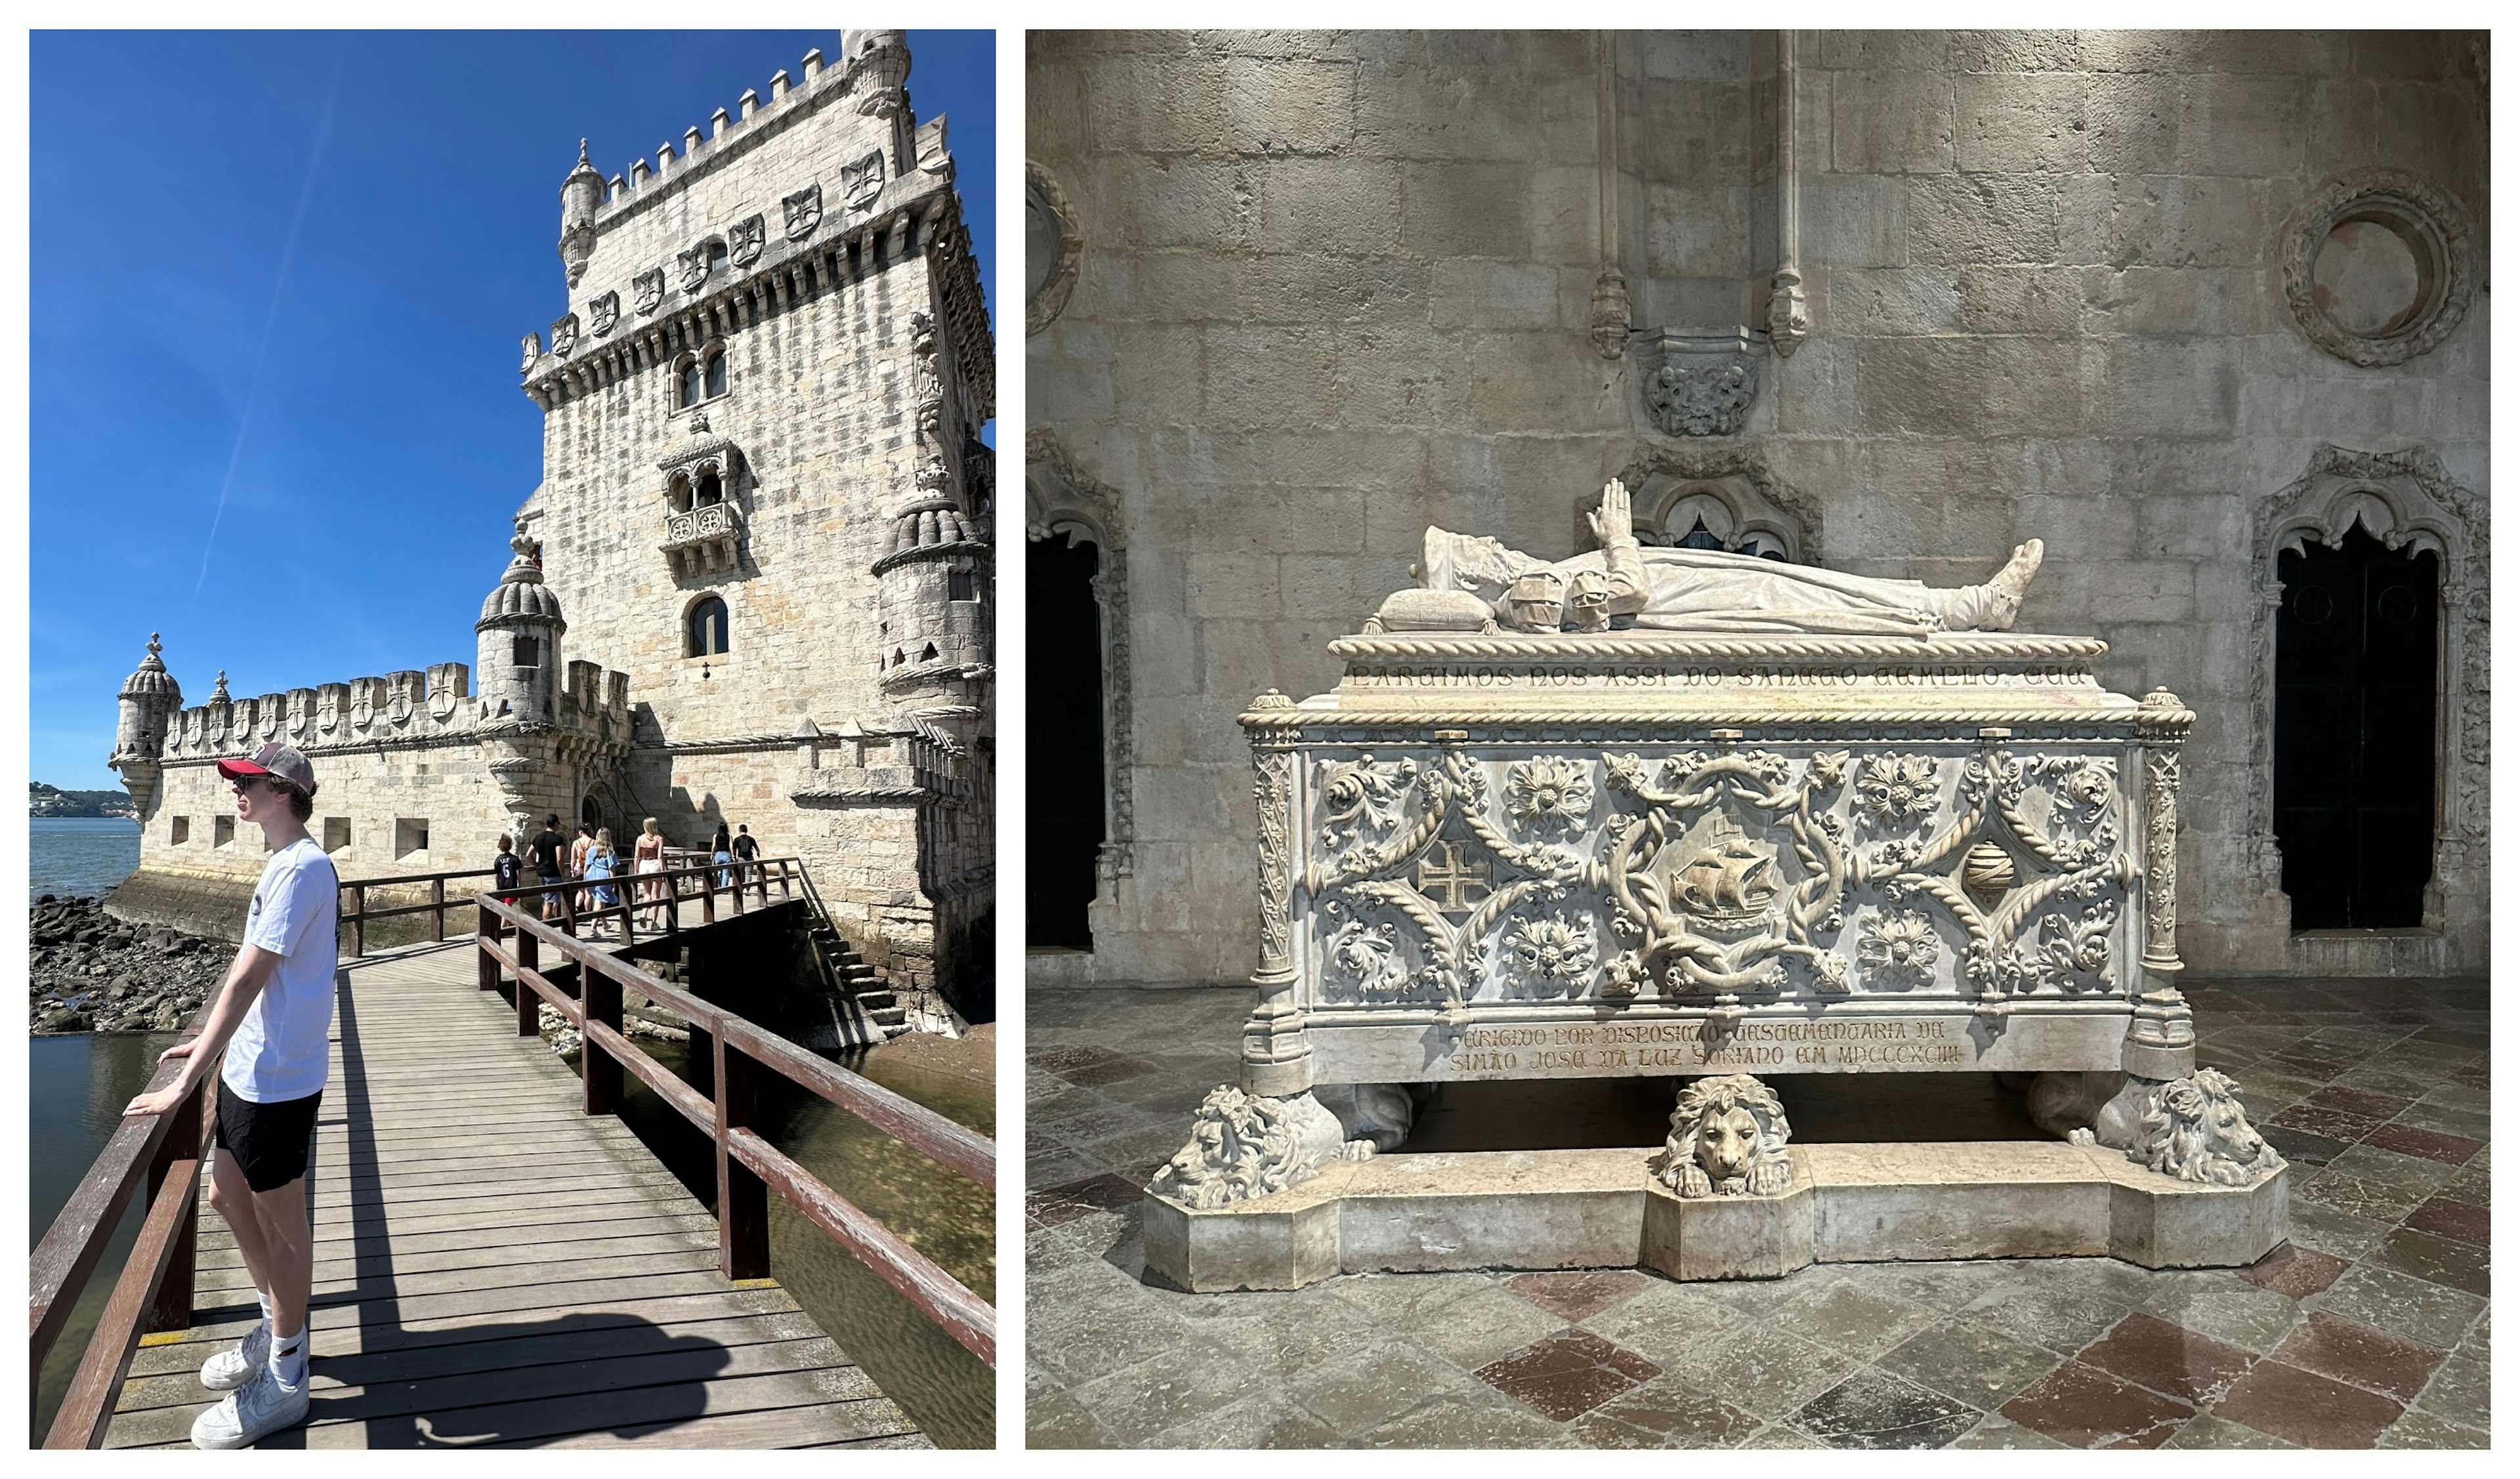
(704, 634)
(690, 384)
(678, 493)
(709, 492)
(716, 385)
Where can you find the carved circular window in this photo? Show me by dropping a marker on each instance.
(1052, 248)
(2377, 267)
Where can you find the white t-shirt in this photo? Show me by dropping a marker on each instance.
(283, 1049)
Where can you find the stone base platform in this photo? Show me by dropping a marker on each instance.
(1599, 1208)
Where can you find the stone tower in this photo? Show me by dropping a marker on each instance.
(149, 696)
(519, 659)
(934, 575)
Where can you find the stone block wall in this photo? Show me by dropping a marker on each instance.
(1336, 288)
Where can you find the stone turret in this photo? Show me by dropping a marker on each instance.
(579, 196)
(876, 63)
(518, 650)
(150, 696)
(934, 576)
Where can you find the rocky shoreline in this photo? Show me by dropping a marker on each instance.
(88, 971)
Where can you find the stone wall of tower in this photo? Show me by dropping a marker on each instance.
(819, 400)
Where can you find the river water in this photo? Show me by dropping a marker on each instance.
(79, 1084)
(79, 855)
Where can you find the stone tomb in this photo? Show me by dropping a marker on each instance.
(1542, 854)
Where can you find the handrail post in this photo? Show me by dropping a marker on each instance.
(482, 938)
(437, 911)
(568, 912)
(530, 1019)
(599, 997)
(358, 921)
(742, 1198)
(708, 901)
(170, 1305)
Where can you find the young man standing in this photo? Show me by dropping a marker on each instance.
(274, 1020)
(547, 849)
(744, 848)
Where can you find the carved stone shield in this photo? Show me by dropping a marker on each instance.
(744, 241)
(328, 713)
(362, 708)
(398, 706)
(863, 181)
(298, 718)
(267, 710)
(648, 290)
(532, 345)
(604, 313)
(691, 267)
(804, 211)
(441, 701)
(564, 333)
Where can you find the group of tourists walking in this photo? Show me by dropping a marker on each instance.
(592, 859)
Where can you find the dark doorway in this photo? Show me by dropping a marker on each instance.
(2355, 661)
(1063, 733)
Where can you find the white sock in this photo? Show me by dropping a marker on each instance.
(265, 1301)
(289, 1359)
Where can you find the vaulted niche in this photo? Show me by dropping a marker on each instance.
(1063, 816)
(2356, 669)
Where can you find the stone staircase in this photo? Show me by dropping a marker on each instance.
(866, 988)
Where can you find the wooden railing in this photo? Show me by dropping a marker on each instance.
(748, 1166)
(754, 878)
(156, 1289)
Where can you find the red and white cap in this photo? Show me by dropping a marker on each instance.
(280, 761)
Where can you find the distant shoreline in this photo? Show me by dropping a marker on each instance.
(51, 801)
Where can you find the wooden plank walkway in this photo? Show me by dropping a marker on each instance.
(494, 1269)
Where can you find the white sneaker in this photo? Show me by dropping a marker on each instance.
(252, 1412)
(229, 1369)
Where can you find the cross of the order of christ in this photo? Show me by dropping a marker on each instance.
(1451, 879)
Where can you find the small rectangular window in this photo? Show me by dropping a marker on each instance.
(957, 585)
(337, 834)
(222, 831)
(527, 653)
(411, 836)
(181, 832)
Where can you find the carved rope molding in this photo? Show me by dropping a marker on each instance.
(1057, 490)
(2434, 224)
(2423, 507)
(1633, 646)
(1044, 306)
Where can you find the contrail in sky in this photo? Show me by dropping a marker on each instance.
(288, 254)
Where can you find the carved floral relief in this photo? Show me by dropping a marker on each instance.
(1718, 876)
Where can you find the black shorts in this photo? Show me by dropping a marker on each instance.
(273, 1143)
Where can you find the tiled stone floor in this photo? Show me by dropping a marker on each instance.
(2370, 1329)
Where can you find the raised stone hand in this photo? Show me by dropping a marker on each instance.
(1614, 522)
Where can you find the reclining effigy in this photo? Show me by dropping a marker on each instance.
(1687, 814)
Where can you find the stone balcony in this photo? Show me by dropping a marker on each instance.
(705, 540)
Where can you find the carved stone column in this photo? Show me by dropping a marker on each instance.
(1277, 1060)
(1788, 316)
(2161, 1040)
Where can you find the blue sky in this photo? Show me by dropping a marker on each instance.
(371, 461)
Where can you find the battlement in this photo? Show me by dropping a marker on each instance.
(408, 706)
(766, 209)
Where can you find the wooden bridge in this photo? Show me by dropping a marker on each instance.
(497, 1260)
